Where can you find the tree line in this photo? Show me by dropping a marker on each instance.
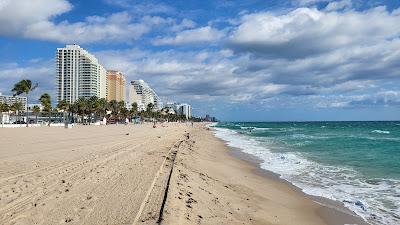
(84, 110)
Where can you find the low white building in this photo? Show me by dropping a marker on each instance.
(172, 105)
(30, 107)
(9, 100)
(4, 117)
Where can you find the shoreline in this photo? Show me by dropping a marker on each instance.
(333, 212)
(333, 208)
(211, 184)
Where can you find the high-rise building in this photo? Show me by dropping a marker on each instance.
(141, 93)
(103, 83)
(9, 100)
(181, 109)
(115, 85)
(79, 74)
(185, 109)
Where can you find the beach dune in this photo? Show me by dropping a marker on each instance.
(136, 174)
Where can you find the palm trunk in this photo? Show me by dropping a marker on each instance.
(26, 111)
(18, 117)
(49, 118)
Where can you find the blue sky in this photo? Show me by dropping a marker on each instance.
(238, 60)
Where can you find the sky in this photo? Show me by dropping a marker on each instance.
(253, 60)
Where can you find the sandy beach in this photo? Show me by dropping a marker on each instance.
(135, 174)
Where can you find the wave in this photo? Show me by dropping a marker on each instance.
(247, 128)
(255, 128)
(381, 131)
(374, 200)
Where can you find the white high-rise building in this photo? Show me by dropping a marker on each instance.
(185, 109)
(103, 82)
(141, 93)
(181, 109)
(79, 74)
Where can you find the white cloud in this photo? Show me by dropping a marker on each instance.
(185, 24)
(17, 15)
(198, 35)
(387, 98)
(35, 21)
(117, 27)
(38, 71)
(306, 32)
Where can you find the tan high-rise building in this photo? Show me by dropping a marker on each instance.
(115, 85)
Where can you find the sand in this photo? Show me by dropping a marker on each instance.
(136, 174)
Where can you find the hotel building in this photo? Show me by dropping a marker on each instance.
(141, 93)
(185, 109)
(115, 86)
(79, 74)
(9, 100)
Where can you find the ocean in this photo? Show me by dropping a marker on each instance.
(357, 163)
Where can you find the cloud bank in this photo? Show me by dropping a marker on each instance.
(334, 56)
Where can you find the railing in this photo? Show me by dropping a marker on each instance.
(31, 125)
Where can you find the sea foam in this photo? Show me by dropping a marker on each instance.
(381, 131)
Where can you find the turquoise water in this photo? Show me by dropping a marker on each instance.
(357, 163)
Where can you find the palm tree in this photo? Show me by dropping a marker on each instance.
(93, 105)
(36, 111)
(113, 104)
(45, 100)
(74, 109)
(121, 108)
(150, 107)
(83, 106)
(149, 110)
(24, 86)
(102, 107)
(124, 113)
(134, 108)
(63, 106)
(16, 108)
(3, 108)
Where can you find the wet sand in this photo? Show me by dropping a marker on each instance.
(135, 174)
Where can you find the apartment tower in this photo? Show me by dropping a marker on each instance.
(79, 74)
(115, 86)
